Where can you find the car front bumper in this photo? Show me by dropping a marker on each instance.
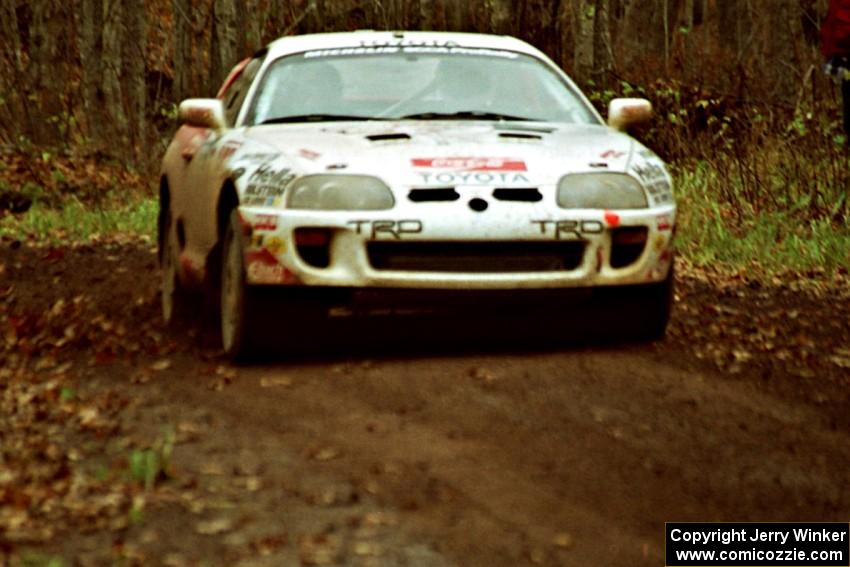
(524, 249)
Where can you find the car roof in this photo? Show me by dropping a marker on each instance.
(300, 43)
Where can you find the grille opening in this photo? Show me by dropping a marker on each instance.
(520, 195)
(520, 136)
(388, 137)
(433, 195)
(628, 245)
(314, 246)
(476, 257)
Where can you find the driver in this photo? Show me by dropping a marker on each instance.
(460, 85)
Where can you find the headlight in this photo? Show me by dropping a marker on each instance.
(601, 191)
(340, 193)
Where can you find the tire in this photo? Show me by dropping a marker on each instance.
(174, 300)
(655, 310)
(237, 300)
(649, 310)
(634, 313)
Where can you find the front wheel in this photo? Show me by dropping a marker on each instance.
(173, 298)
(636, 312)
(654, 310)
(236, 298)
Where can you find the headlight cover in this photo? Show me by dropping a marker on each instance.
(601, 191)
(340, 193)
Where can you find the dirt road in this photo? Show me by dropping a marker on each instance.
(501, 453)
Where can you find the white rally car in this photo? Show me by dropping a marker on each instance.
(401, 161)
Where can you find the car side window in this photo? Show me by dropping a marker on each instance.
(234, 97)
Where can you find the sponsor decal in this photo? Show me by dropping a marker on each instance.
(228, 149)
(661, 191)
(262, 201)
(664, 222)
(404, 46)
(309, 154)
(649, 172)
(263, 268)
(473, 178)
(655, 179)
(472, 171)
(662, 265)
(569, 229)
(265, 222)
(395, 230)
(459, 164)
(275, 245)
(267, 182)
(257, 158)
(612, 154)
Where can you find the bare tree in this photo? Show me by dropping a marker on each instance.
(603, 56)
(133, 52)
(91, 57)
(49, 42)
(181, 11)
(223, 48)
(583, 20)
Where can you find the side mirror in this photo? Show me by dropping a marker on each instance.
(203, 113)
(626, 112)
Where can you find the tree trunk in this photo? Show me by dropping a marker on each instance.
(49, 48)
(91, 56)
(583, 18)
(181, 12)
(603, 57)
(784, 28)
(15, 116)
(224, 41)
(134, 51)
(113, 41)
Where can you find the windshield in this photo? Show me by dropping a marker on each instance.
(415, 82)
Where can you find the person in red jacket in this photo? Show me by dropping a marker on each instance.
(835, 46)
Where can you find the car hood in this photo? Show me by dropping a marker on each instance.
(441, 153)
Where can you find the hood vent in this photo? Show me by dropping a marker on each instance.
(531, 195)
(433, 195)
(388, 137)
(520, 136)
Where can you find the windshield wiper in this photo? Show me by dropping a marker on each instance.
(465, 115)
(315, 118)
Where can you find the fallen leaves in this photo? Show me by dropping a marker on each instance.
(224, 376)
(324, 454)
(321, 549)
(791, 325)
(276, 382)
(215, 526)
(161, 365)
